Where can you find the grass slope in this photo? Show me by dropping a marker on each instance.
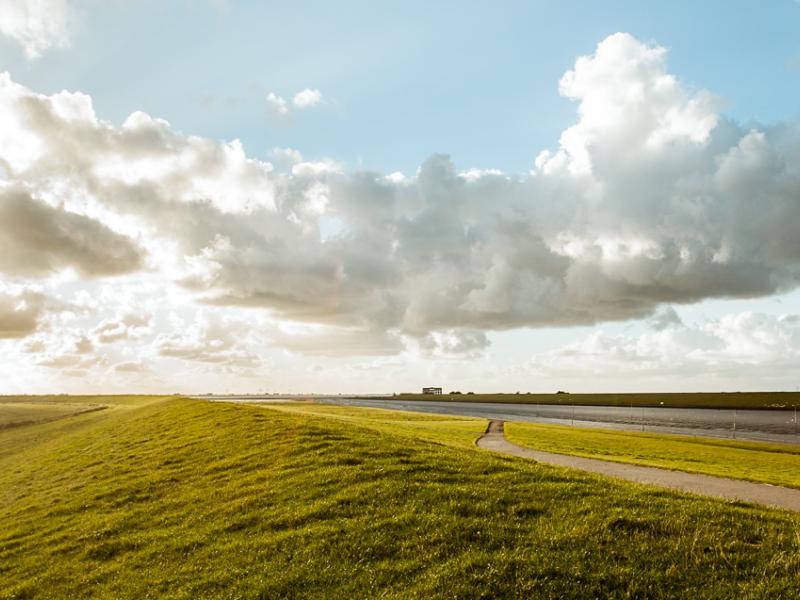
(743, 400)
(175, 498)
(778, 464)
(451, 430)
(17, 414)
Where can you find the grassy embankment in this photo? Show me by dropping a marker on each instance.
(742, 400)
(778, 464)
(16, 411)
(171, 498)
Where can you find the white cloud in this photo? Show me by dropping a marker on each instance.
(277, 105)
(131, 367)
(740, 346)
(36, 25)
(126, 324)
(212, 339)
(67, 350)
(307, 98)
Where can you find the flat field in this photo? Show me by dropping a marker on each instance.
(777, 464)
(743, 400)
(174, 498)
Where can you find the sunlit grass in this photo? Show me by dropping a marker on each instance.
(130, 400)
(462, 431)
(190, 499)
(778, 464)
(16, 414)
(18, 439)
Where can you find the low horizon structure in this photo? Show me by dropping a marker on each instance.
(432, 390)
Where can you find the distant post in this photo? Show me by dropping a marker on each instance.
(734, 423)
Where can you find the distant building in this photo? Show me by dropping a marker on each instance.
(432, 390)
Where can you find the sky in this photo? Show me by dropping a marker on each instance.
(371, 197)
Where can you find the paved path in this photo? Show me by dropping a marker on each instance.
(704, 485)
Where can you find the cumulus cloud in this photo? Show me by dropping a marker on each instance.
(20, 311)
(209, 339)
(69, 350)
(652, 197)
(36, 25)
(131, 366)
(627, 103)
(58, 147)
(128, 323)
(307, 98)
(38, 239)
(277, 105)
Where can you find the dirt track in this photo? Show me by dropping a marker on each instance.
(704, 485)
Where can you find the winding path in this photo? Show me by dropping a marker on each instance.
(704, 485)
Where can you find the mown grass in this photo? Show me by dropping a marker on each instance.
(777, 464)
(48, 435)
(188, 499)
(130, 400)
(17, 414)
(454, 430)
(742, 400)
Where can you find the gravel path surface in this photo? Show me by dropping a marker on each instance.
(704, 485)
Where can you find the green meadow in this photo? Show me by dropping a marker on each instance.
(18, 411)
(777, 464)
(175, 498)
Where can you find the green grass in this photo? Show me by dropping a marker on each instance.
(172, 498)
(47, 435)
(454, 430)
(17, 414)
(743, 400)
(778, 464)
(120, 400)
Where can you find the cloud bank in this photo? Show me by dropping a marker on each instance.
(652, 197)
(736, 346)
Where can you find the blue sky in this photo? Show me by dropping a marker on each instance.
(239, 267)
(475, 80)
